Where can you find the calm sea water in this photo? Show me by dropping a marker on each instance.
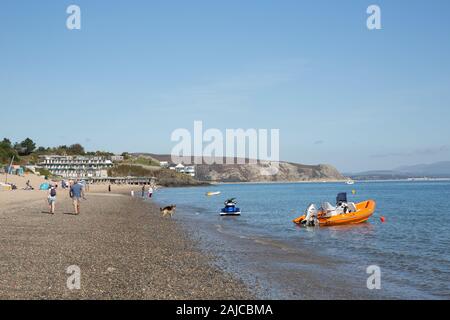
(412, 248)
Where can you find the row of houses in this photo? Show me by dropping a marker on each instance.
(76, 166)
(190, 170)
(93, 166)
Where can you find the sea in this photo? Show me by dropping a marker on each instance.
(405, 257)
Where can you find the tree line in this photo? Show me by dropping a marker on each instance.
(27, 150)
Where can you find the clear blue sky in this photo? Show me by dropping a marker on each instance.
(137, 70)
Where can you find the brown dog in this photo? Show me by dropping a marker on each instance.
(168, 210)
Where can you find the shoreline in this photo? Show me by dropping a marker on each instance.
(122, 245)
(277, 182)
(331, 181)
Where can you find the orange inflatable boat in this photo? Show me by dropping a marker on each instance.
(363, 212)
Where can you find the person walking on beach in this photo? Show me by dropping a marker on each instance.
(109, 188)
(150, 191)
(76, 193)
(143, 190)
(51, 198)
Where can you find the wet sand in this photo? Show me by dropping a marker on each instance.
(123, 247)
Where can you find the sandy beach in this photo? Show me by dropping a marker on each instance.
(123, 247)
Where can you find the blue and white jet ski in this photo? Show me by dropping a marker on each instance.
(230, 208)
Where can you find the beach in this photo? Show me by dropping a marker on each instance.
(123, 247)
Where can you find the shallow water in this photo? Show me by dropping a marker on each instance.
(267, 250)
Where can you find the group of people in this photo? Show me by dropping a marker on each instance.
(149, 192)
(76, 193)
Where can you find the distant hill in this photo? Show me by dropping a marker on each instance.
(377, 175)
(437, 169)
(262, 171)
(433, 170)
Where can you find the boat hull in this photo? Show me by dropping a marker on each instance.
(230, 211)
(224, 214)
(213, 193)
(364, 210)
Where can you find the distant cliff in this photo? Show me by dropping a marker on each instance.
(265, 172)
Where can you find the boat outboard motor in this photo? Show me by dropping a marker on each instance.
(311, 216)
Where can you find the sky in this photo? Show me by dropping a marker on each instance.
(339, 93)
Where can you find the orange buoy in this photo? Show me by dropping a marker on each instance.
(382, 219)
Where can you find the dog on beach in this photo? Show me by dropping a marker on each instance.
(168, 210)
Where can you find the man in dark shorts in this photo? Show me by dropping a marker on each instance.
(52, 198)
(76, 193)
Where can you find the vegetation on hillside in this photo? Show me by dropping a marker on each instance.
(126, 170)
(164, 177)
(145, 161)
(72, 150)
(171, 178)
(7, 151)
(44, 172)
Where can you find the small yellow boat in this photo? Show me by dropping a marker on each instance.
(212, 193)
(364, 211)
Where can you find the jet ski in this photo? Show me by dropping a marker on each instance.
(230, 208)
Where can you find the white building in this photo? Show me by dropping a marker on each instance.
(164, 164)
(179, 168)
(76, 166)
(190, 170)
(117, 158)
